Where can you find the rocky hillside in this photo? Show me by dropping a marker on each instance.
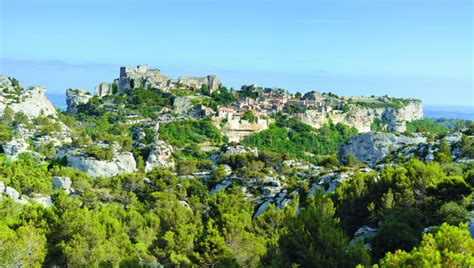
(32, 101)
(377, 114)
(182, 176)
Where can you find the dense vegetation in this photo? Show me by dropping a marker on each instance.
(190, 132)
(171, 217)
(436, 126)
(385, 102)
(296, 139)
(163, 220)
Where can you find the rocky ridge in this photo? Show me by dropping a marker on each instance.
(31, 101)
(122, 162)
(75, 97)
(370, 148)
(363, 118)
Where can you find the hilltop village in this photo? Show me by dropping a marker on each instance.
(258, 103)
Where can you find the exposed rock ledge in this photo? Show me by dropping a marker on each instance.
(160, 155)
(31, 102)
(120, 164)
(370, 148)
(75, 97)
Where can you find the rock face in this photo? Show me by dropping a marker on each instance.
(31, 102)
(182, 105)
(362, 117)
(370, 148)
(75, 97)
(236, 129)
(12, 193)
(121, 163)
(160, 156)
(15, 147)
(45, 201)
(231, 150)
(103, 89)
(141, 76)
(63, 183)
(366, 234)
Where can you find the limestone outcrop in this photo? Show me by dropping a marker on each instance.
(63, 183)
(233, 150)
(122, 162)
(160, 156)
(182, 105)
(16, 146)
(236, 129)
(75, 97)
(370, 148)
(362, 117)
(31, 101)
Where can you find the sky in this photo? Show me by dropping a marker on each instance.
(403, 48)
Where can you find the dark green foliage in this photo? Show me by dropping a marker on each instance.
(26, 175)
(223, 96)
(436, 126)
(447, 246)
(296, 139)
(313, 238)
(379, 125)
(20, 118)
(398, 230)
(182, 133)
(162, 218)
(148, 97)
(467, 146)
(100, 152)
(389, 102)
(452, 213)
(249, 116)
(249, 92)
(205, 90)
(444, 153)
(450, 188)
(365, 199)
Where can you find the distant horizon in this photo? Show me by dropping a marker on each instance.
(59, 92)
(413, 49)
(430, 110)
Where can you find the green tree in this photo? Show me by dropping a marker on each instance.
(450, 246)
(398, 230)
(212, 247)
(24, 247)
(314, 239)
(8, 114)
(452, 188)
(452, 213)
(444, 153)
(20, 118)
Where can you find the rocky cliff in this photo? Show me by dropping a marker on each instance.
(363, 117)
(370, 148)
(31, 101)
(121, 163)
(160, 155)
(75, 97)
(236, 129)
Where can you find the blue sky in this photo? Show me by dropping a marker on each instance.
(405, 48)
